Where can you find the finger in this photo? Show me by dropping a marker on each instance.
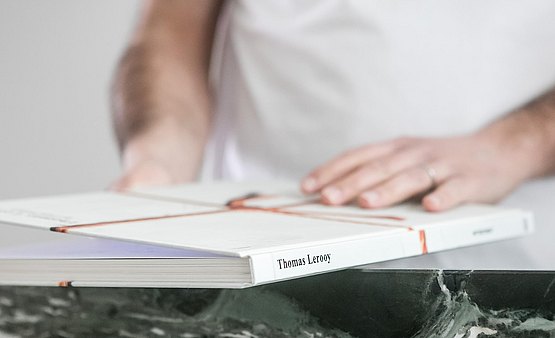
(344, 164)
(124, 183)
(397, 189)
(451, 193)
(367, 176)
(143, 176)
(117, 185)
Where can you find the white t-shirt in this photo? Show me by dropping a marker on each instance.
(299, 81)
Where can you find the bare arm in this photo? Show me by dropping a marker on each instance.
(161, 98)
(528, 136)
(480, 167)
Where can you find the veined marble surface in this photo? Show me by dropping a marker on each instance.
(350, 303)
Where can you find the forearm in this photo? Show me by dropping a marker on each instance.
(161, 97)
(528, 137)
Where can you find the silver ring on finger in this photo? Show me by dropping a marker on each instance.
(432, 174)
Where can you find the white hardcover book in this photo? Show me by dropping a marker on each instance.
(226, 235)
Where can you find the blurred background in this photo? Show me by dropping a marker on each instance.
(56, 64)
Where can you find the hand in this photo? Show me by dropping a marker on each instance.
(148, 173)
(156, 161)
(447, 171)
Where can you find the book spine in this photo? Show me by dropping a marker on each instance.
(287, 264)
(293, 263)
(479, 230)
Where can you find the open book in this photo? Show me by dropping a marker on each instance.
(226, 235)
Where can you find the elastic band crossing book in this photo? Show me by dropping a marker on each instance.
(225, 235)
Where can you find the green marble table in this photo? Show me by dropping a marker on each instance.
(351, 303)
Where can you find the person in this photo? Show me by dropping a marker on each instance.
(370, 101)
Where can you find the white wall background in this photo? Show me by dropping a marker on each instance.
(56, 63)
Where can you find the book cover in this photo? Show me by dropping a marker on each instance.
(210, 231)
